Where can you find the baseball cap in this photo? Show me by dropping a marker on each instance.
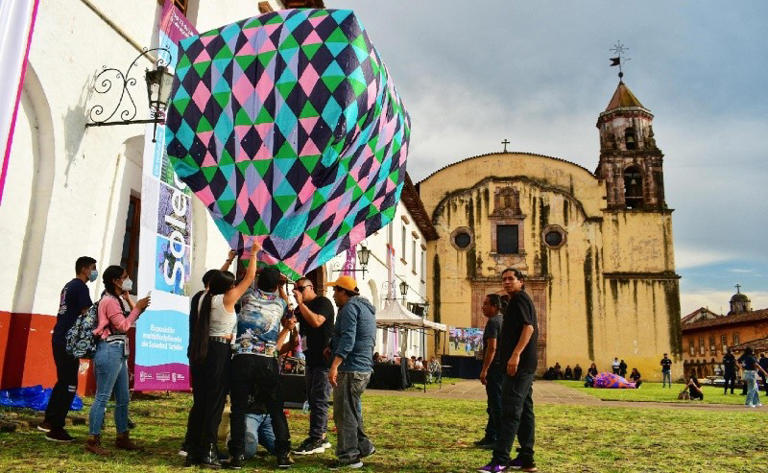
(344, 282)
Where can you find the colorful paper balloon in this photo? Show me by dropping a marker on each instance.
(289, 129)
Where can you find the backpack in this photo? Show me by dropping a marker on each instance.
(81, 342)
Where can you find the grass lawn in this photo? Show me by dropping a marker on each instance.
(414, 434)
(654, 392)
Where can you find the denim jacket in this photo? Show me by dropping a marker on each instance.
(354, 335)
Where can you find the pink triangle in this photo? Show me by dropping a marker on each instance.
(312, 38)
(309, 148)
(308, 123)
(208, 161)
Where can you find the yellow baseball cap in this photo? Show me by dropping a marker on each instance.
(344, 282)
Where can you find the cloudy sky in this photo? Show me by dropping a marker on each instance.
(537, 73)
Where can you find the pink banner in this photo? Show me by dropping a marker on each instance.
(17, 23)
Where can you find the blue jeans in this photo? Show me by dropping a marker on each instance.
(111, 369)
(666, 378)
(753, 398)
(348, 416)
(258, 431)
(318, 397)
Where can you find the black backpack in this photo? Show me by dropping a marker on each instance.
(81, 342)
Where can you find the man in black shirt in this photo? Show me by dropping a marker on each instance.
(492, 373)
(75, 300)
(315, 316)
(763, 362)
(517, 345)
(729, 371)
(666, 377)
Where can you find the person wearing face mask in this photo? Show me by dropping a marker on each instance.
(74, 300)
(111, 358)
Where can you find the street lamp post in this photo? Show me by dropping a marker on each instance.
(363, 254)
(159, 82)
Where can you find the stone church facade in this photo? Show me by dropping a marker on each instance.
(597, 248)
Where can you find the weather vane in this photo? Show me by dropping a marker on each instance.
(618, 49)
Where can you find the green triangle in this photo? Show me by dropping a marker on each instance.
(317, 200)
(262, 166)
(370, 194)
(285, 89)
(394, 175)
(222, 98)
(201, 67)
(373, 142)
(308, 111)
(337, 36)
(225, 206)
(277, 19)
(203, 125)
(371, 211)
(242, 118)
(209, 171)
(350, 183)
(226, 159)
(332, 82)
(183, 62)
(322, 239)
(359, 42)
(319, 13)
(259, 228)
(284, 201)
(311, 49)
(286, 151)
(224, 53)
(356, 192)
(210, 33)
(245, 61)
(243, 228)
(243, 167)
(266, 57)
(344, 229)
(389, 212)
(264, 117)
(255, 22)
(289, 43)
(358, 87)
(312, 232)
(310, 162)
(181, 105)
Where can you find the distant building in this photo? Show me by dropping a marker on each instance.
(707, 335)
(597, 247)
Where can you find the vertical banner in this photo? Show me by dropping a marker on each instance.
(165, 248)
(350, 262)
(17, 22)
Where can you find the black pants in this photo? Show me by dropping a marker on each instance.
(210, 384)
(730, 378)
(517, 418)
(65, 388)
(257, 377)
(493, 384)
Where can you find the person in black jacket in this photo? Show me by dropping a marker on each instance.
(729, 371)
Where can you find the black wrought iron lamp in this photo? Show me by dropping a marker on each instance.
(403, 289)
(159, 82)
(363, 254)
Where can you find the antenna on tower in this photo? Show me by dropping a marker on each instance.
(619, 50)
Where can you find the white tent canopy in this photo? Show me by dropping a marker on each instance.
(393, 314)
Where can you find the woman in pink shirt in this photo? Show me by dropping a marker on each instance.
(110, 360)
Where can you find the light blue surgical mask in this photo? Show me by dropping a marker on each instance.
(94, 274)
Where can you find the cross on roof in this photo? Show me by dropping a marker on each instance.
(505, 143)
(738, 288)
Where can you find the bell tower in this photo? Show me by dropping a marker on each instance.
(630, 161)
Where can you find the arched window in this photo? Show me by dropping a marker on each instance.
(633, 187)
(630, 138)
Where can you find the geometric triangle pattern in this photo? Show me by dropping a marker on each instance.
(289, 129)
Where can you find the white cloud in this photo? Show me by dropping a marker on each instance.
(692, 257)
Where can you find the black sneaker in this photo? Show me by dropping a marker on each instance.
(311, 446)
(523, 465)
(285, 461)
(58, 435)
(373, 450)
(346, 465)
(44, 426)
(485, 443)
(236, 462)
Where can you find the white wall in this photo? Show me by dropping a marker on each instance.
(68, 186)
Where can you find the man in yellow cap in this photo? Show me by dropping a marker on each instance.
(354, 337)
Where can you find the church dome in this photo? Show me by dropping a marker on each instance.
(740, 297)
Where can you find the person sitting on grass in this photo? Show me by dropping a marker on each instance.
(592, 370)
(635, 377)
(568, 372)
(694, 387)
(577, 372)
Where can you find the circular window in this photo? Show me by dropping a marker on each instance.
(461, 238)
(554, 236)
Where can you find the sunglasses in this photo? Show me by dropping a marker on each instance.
(301, 288)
